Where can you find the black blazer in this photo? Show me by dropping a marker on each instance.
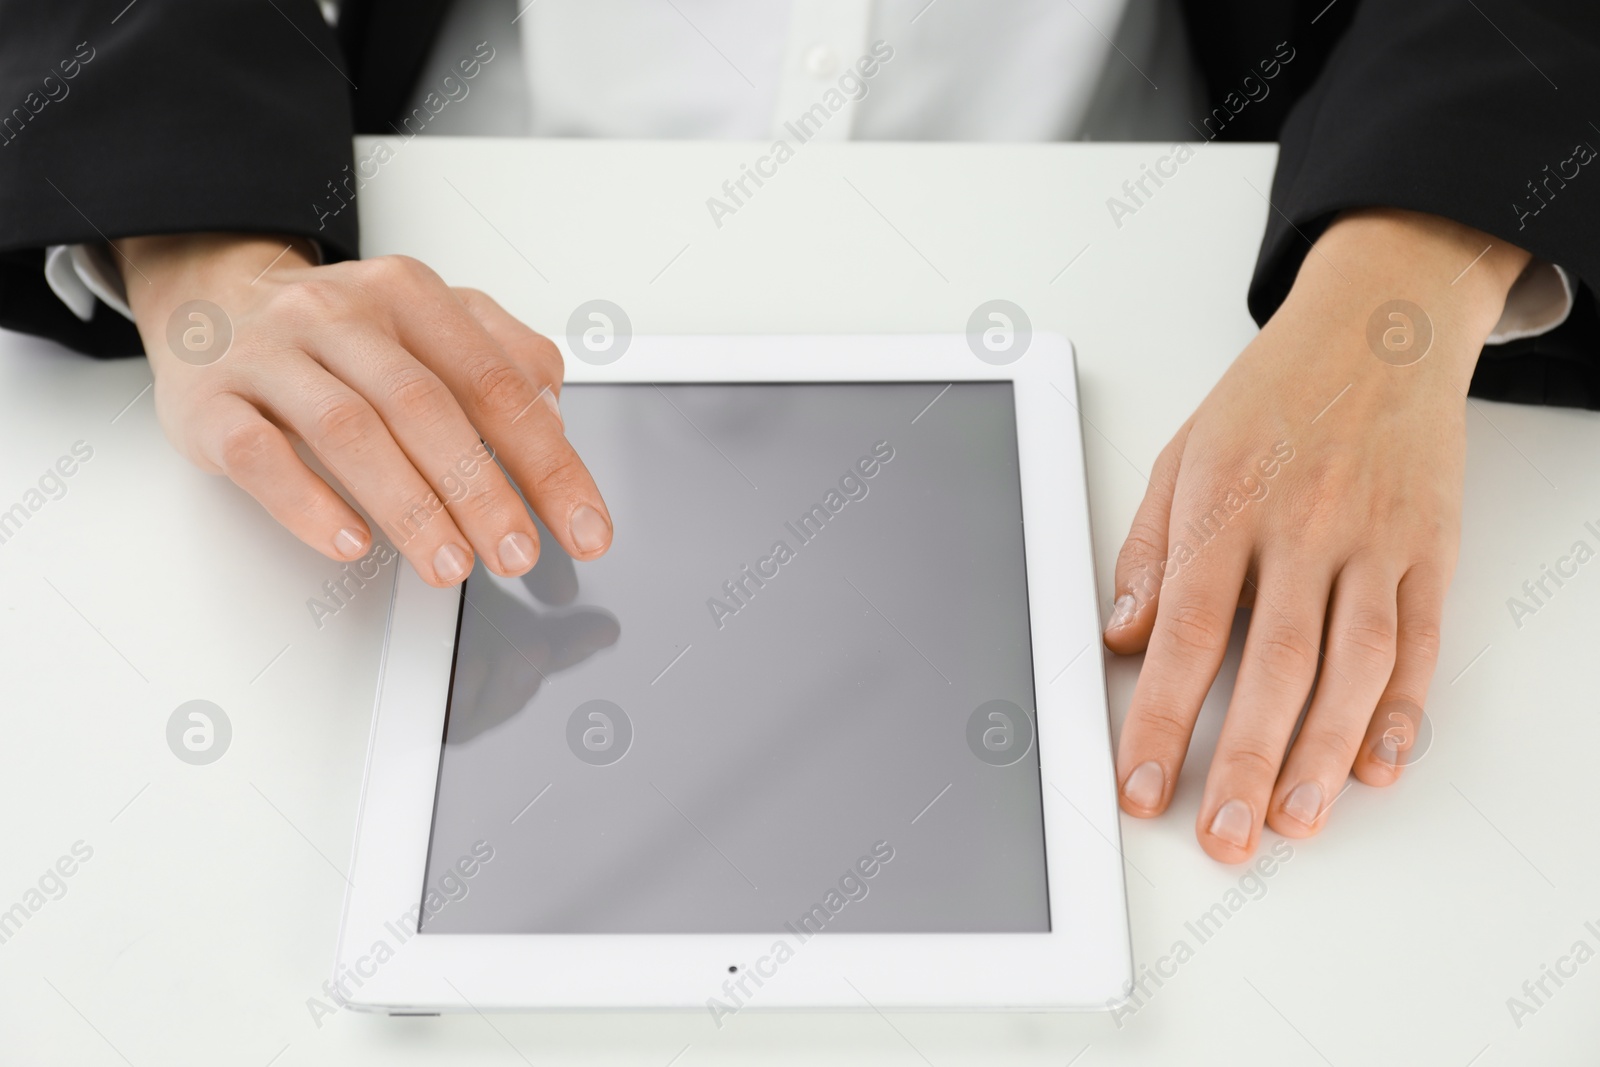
(174, 115)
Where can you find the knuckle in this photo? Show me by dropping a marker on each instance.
(1370, 635)
(1163, 722)
(1252, 759)
(1143, 580)
(340, 420)
(1194, 628)
(307, 302)
(485, 505)
(416, 395)
(479, 304)
(540, 356)
(548, 354)
(383, 277)
(243, 446)
(499, 387)
(1422, 638)
(1318, 746)
(1285, 654)
(556, 472)
(551, 367)
(1140, 550)
(315, 510)
(401, 268)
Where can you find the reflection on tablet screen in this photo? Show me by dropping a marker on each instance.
(796, 694)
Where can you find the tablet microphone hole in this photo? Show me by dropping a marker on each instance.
(733, 968)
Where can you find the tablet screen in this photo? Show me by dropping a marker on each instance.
(797, 694)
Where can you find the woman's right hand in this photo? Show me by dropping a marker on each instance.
(391, 378)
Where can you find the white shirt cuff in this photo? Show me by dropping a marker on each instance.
(1540, 300)
(82, 274)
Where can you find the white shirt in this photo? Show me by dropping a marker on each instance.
(962, 70)
(940, 70)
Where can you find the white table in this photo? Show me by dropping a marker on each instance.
(206, 916)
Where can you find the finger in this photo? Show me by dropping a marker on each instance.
(238, 441)
(1275, 675)
(508, 405)
(1397, 723)
(1143, 558)
(353, 442)
(423, 417)
(535, 353)
(541, 362)
(1359, 659)
(1186, 648)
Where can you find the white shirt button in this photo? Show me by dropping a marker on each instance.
(820, 62)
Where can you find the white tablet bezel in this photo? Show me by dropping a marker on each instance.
(1083, 963)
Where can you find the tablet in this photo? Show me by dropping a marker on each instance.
(825, 728)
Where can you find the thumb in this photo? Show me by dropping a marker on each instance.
(1142, 561)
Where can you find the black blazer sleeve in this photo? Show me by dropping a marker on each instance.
(1482, 111)
(163, 116)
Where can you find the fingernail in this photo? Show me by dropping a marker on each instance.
(1385, 752)
(589, 530)
(450, 564)
(1121, 612)
(1304, 803)
(1232, 822)
(1143, 787)
(516, 552)
(348, 543)
(554, 405)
